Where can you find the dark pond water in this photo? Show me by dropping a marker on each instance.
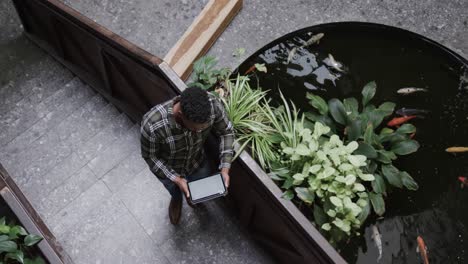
(438, 211)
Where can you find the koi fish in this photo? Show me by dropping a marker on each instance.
(330, 61)
(377, 237)
(291, 54)
(422, 249)
(410, 111)
(314, 39)
(457, 149)
(463, 180)
(400, 120)
(251, 69)
(410, 90)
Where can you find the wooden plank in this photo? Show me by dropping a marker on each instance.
(201, 35)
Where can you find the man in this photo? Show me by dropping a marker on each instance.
(172, 137)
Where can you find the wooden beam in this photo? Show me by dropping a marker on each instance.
(201, 35)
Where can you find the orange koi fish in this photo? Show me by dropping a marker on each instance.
(457, 149)
(251, 69)
(422, 249)
(400, 120)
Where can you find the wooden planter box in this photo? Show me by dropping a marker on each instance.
(134, 81)
(50, 249)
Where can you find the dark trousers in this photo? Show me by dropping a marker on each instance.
(204, 170)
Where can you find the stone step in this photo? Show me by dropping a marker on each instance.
(54, 142)
(112, 245)
(11, 25)
(50, 181)
(38, 94)
(116, 152)
(57, 144)
(86, 217)
(70, 98)
(29, 115)
(19, 81)
(117, 128)
(125, 171)
(37, 188)
(65, 193)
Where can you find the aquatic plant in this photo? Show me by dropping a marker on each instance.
(206, 76)
(322, 172)
(381, 146)
(244, 108)
(16, 243)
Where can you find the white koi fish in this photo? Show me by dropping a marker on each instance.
(314, 39)
(377, 237)
(330, 61)
(410, 90)
(291, 54)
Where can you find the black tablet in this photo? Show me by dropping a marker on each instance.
(207, 188)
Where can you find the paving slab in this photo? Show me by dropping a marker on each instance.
(122, 243)
(205, 235)
(26, 113)
(116, 152)
(22, 73)
(72, 214)
(148, 202)
(92, 224)
(65, 193)
(119, 125)
(155, 25)
(11, 25)
(37, 188)
(70, 98)
(126, 171)
(56, 145)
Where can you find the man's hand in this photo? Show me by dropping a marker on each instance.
(225, 173)
(182, 183)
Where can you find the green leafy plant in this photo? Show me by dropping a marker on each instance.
(320, 171)
(244, 108)
(16, 243)
(381, 145)
(324, 173)
(206, 76)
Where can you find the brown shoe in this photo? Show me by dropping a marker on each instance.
(175, 210)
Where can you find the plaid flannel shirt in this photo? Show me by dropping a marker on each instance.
(171, 150)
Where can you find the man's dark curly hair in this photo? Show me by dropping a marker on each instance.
(195, 105)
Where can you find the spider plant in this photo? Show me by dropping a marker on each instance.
(285, 121)
(243, 106)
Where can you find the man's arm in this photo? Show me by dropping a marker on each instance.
(224, 129)
(149, 152)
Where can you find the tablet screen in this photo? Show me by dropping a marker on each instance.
(207, 186)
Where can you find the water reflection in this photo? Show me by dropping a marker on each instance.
(323, 73)
(399, 239)
(302, 65)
